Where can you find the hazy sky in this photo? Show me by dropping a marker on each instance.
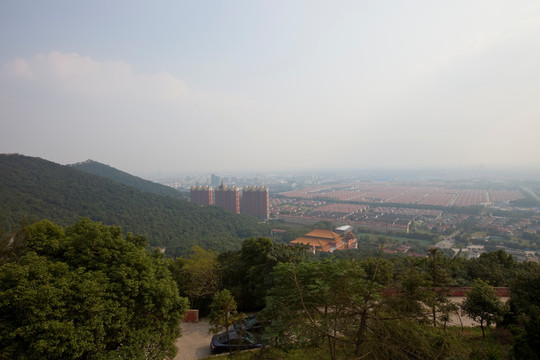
(182, 86)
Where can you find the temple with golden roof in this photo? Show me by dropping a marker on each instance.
(327, 241)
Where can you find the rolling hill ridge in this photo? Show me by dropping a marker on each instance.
(106, 171)
(36, 189)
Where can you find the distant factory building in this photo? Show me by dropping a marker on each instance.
(227, 197)
(255, 201)
(201, 195)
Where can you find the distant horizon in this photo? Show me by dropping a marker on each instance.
(173, 169)
(532, 174)
(471, 171)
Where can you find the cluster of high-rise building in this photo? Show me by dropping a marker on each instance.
(252, 201)
(202, 195)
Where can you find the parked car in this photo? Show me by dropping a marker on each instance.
(236, 341)
(249, 323)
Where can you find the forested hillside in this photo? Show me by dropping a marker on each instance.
(106, 171)
(37, 189)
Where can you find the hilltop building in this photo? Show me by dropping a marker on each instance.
(201, 195)
(255, 201)
(227, 197)
(327, 241)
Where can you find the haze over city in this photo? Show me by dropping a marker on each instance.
(192, 86)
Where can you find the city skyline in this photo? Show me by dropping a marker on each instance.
(221, 87)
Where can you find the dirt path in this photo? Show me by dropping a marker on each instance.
(195, 341)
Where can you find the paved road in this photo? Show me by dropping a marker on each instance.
(195, 341)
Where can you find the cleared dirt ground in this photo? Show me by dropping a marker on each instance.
(195, 341)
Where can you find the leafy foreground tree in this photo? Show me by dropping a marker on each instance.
(248, 272)
(86, 292)
(197, 276)
(524, 315)
(339, 305)
(328, 301)
(525, 289)
(527, 339)
(223, 313)
(483, 305)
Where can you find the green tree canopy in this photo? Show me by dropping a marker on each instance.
(527, 339)
(483, 305)
(340, 303)
(197, 275)
(496, 267)
(223, 313)
(87, 292)
(525, 290)
(248, 273)
(326, 300)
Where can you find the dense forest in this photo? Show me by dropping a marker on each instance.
(35, 189)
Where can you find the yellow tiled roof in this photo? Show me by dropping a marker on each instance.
(320, 239)
(324, 234)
